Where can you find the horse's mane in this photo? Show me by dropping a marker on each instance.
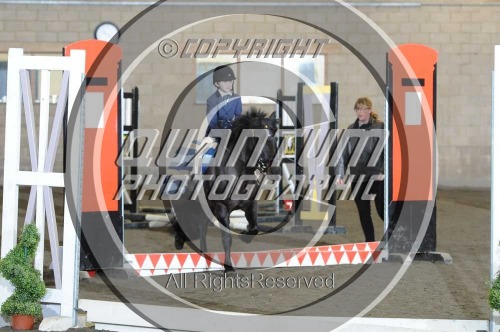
(253, 119)
(249, 120)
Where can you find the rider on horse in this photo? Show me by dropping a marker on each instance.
(223, 106)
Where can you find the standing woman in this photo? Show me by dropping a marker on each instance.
(223, 106)
(366, 119)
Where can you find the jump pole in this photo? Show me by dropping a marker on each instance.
(156, 264)
(328, 122)
(134, 216)
(304, 118)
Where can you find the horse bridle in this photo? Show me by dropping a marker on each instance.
(261, 166)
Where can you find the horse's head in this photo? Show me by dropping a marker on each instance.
(261, 125)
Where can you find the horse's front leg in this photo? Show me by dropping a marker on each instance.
(203, 236)
(180, 236)
(251, 213)
(222, 214)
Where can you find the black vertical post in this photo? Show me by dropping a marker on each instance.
(279, 101)
(287, 159)
(333, 126)
(134, 96)
(388, 171)
(299, 144)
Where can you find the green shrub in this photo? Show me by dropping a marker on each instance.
(18, 268)
(494, 295)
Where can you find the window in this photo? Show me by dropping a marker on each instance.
(262, 77)
(309, 70)
(3, 78)
(55, 81)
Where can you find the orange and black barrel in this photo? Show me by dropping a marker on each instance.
(101, 221)
(411, 79)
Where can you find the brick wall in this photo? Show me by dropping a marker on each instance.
(464, 36)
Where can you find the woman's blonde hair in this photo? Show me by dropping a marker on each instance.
(366, 102)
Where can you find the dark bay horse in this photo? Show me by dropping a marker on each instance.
(260, 138)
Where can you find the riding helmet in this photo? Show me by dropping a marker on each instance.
(223, 73)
